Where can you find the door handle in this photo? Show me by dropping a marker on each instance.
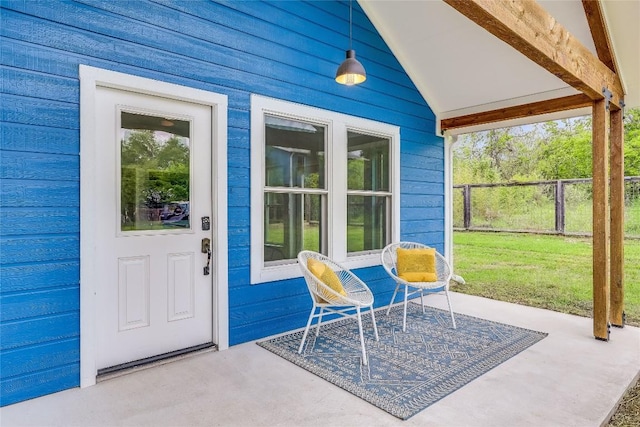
(205, 248)
(205, 245)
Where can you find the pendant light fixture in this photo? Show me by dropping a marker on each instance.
(350, 72)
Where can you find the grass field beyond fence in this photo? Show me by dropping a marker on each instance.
(551, 272)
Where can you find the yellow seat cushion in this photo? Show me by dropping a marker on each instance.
(417, 265)
(327, 276)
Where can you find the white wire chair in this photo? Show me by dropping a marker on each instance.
(443, 272)
(358, 296)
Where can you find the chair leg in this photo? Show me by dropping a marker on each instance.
(373, 319)
(392, 298)
(453, 320)
(364, 352)
(319, 321)
(306, 330)
(422, 299)
(404, 315)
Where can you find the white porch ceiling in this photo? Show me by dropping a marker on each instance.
(461, 68)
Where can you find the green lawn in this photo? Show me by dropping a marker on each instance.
(550, 272)
(355, 236)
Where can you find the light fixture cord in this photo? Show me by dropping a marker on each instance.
(350, 22)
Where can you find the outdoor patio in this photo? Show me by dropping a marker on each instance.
(567, 379)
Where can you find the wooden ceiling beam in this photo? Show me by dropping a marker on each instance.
(531, 30)
(564, 103)
(599, 32)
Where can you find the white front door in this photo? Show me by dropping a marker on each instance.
(154, 207)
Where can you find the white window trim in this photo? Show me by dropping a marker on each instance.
(337, 126)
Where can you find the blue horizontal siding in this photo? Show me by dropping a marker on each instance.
(34, 276)
(39, 357)
(416, 186)
(37, 111)
(238, 275)
(411, 213)
(205, 67)
(28, 386)
(248, 332)
(422, 225)
(434, 239)
(43, 166)
(59, 62)
(40, 248)
(237, 159)
(274, 291)
(39, 85)
(422, 200)
(38, 139)
(286, 50)
(39, 221)
(28, 193)
(32, 331)
(41, 303)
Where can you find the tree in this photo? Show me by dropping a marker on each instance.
(139, 148)
(565, 149)
(632, 142)
(560, 149)
(173, 152)
(496, 155)
(153, 172)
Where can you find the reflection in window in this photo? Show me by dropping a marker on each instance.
(155, 172)
(368, 195)
(292, 223)
(294, 174)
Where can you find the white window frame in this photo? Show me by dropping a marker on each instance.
(337, 125)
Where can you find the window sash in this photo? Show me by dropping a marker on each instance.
(368, 223)
(335, 194)
(293, 221)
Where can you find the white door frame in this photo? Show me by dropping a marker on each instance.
(90, 79)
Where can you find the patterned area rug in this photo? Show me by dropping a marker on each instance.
(409, 371)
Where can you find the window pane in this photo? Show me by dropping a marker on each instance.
(294, 153)
(367, 223)
(368, 158)
(154, 174)
(292, 222)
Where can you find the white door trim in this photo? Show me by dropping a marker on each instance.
(90, 79)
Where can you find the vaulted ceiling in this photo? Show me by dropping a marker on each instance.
(462, 68)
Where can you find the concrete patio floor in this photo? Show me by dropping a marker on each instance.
(567, 379)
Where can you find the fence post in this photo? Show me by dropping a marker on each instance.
(467, 206)
(559, 206)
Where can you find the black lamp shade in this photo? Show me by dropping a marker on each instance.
(351, 72)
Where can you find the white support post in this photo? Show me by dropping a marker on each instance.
(449, 141)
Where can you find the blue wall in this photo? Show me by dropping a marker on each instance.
(286, 50)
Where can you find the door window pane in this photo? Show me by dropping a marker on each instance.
(367, 224)
(368, 159)
(155, 173)
(292, 223)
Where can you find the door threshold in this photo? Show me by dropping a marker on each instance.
(153, 361)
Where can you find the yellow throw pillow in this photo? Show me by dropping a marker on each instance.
(327, 276)
(417, 265)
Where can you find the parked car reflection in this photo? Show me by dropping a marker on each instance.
(175, 214)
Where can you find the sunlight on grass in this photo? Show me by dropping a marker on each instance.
(550, 272)
(355, 236)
